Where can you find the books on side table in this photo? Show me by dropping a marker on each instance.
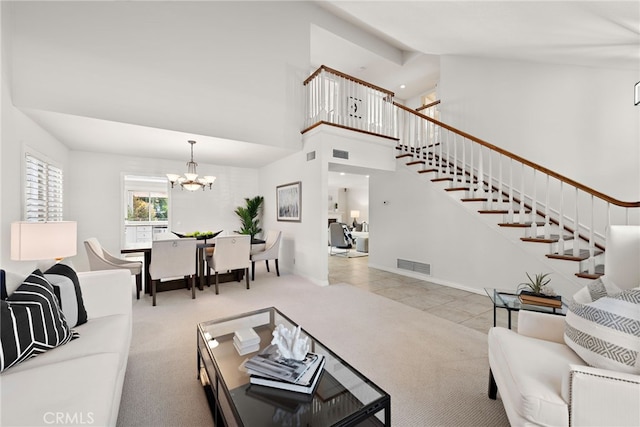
(546, 301)
(267, 368)
(246, 341)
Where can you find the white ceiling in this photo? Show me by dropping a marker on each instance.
(89, 134)
(585, 33)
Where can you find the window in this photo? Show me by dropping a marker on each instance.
(43, 190)
(147, 206)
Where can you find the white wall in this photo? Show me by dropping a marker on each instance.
(304, 249)
(299, 248)
(95, 197)
(18, 132)
(578, 121)
(424, 223)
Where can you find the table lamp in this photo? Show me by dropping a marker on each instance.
(42, 241)
(355, 215)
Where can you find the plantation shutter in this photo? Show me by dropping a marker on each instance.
(43, 190)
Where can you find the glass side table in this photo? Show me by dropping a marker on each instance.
(510, 301)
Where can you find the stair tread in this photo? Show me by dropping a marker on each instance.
(551, 239)
(441, 179)
(568, 255)
(599, 271)
(456, 189)
(427, 170)
(517, 224)
(416, 162)
(494, 211)
(400, 156)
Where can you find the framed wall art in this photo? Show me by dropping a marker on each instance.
(289, 202)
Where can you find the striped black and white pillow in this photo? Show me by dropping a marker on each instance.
(605, 332)
(66, 286)
(31, 322)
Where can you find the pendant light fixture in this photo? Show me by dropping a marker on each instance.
(190, 180)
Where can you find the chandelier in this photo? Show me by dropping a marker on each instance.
(190, 180)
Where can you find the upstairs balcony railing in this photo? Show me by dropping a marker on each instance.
(337, 99)
(551, 207)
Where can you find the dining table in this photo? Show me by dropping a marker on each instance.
(200, 258)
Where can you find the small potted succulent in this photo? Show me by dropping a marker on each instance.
(538, 292)
(537, 285)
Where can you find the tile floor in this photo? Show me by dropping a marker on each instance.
(466, 308)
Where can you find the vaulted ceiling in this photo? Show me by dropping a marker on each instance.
(141, 78)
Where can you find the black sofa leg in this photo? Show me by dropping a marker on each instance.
(493, 387)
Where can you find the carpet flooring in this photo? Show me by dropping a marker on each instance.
(435, 370)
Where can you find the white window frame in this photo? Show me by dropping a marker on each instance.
(43, 189)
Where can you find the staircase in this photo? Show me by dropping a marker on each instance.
(546, 208)
(564, 218)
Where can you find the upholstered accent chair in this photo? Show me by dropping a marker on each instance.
(100, 259)
(230, 253)
(339, 239)
(173, 259)
(271, 251)
(542, 379)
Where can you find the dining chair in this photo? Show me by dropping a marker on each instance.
(171, 259)
(271, 251)
(230, 253)
(100, 259)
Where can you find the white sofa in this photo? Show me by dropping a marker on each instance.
(543, 382)
(78, 383)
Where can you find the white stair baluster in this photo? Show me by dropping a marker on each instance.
(592, 244)
(534, 207)
(547, 219)
(510, 214)
(576, 231)
(521, 211)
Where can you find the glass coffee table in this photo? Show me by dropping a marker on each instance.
(343, 397)
(510, 301)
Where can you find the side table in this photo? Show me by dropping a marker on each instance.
(510, 301)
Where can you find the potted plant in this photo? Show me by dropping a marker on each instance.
(249, 221)
(538, 292)
(537, 285)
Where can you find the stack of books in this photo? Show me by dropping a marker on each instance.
(269, 369)
(543, 300)
(246, 341)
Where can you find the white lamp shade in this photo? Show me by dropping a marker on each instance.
(355, 214)
(36, 241)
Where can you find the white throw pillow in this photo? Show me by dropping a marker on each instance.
(605, 332)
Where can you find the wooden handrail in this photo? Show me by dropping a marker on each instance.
(424, 107)
(348, 77)
(535, 166)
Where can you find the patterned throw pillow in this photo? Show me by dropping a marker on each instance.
(67, 288)
(601, 287)
(605, 332)
(31, 322)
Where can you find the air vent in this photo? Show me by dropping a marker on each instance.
(311, 155)
(418, 267)
(340, 154)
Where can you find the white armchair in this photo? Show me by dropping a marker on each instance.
(230, 253)
(542, 381)
(271, 251)
(100, 259)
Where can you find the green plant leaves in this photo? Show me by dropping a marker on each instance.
(249, 221)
